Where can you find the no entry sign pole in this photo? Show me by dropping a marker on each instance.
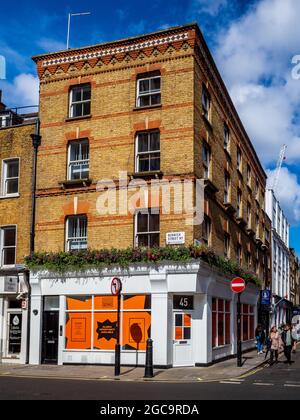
(238, 285)
(116, 289)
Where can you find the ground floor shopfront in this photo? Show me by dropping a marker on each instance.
(188, 310)
(13, 317)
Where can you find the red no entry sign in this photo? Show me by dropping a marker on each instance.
(116, 286)
(238, 285)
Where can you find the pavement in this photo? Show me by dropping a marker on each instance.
(226, 370)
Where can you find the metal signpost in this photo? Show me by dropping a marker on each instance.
(116, 290)
(238, 285)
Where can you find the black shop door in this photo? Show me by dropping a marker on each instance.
(50, 337)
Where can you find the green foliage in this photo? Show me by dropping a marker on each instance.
(80, 260)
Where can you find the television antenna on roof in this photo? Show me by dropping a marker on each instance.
(69, 24)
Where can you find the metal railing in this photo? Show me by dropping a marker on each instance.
(15, 116)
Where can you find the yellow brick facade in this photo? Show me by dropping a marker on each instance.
(111, 130)
(15, 142)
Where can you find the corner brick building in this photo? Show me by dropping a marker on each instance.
(111, 123)
(155, 107)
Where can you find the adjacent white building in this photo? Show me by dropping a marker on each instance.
(280, 258)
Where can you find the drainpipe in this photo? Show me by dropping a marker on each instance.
(36, 142)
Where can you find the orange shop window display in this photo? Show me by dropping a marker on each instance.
(96, 316)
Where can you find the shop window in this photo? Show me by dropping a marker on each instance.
(248, 319)
(148, 151)
(149, 89)
(91, 322)
(221, 320)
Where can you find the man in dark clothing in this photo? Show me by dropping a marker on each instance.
(288, 342)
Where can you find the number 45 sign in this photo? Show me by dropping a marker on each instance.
(183, 302)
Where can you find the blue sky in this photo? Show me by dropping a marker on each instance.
(253, 43)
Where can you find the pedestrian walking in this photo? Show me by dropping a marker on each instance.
(288, 342)
(276, 345)
(295, 337)
(260, 337)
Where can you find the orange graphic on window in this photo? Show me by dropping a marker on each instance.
(105, 330)
(78, 331)
(79, 303)
(136, 330)
(178, 333)
(187, 320)
(105, 303)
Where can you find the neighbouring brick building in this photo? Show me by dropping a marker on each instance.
(16, 157)
(155, 107)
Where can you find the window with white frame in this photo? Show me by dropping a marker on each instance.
(248, 215)
(226, 187)
(148, 151)
(76, 229)
(239, 159)
(8, 240)
(149, 89)
(239, 203)
(247, 322)
(249, 175)
(206, 156)
(80, 101)
(226, 245)
(221, 320)
(206, 230)
(79, 160)
(239, 254)
(226, 137)
(206, 102)
(147, 228)
(10, 177)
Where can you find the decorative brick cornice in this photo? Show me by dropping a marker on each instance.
(118, 50)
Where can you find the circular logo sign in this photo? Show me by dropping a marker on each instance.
(116, 286)
(238, 285)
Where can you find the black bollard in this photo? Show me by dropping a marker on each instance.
(118, 360)
(149, 360)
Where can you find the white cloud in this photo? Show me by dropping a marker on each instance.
(23, 91)
(288, 193)
(211, 7)
(254, 56)
(51, 45)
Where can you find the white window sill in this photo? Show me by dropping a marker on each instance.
(6, 197)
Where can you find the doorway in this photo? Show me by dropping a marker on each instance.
(182, 343)
(50, 337)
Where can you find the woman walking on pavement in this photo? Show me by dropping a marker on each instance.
(276, 345)
(288, 342)
(260, 339)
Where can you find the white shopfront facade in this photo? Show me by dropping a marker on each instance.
(187, 309)
(13, 317)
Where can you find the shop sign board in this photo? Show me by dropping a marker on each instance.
(11, 284)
